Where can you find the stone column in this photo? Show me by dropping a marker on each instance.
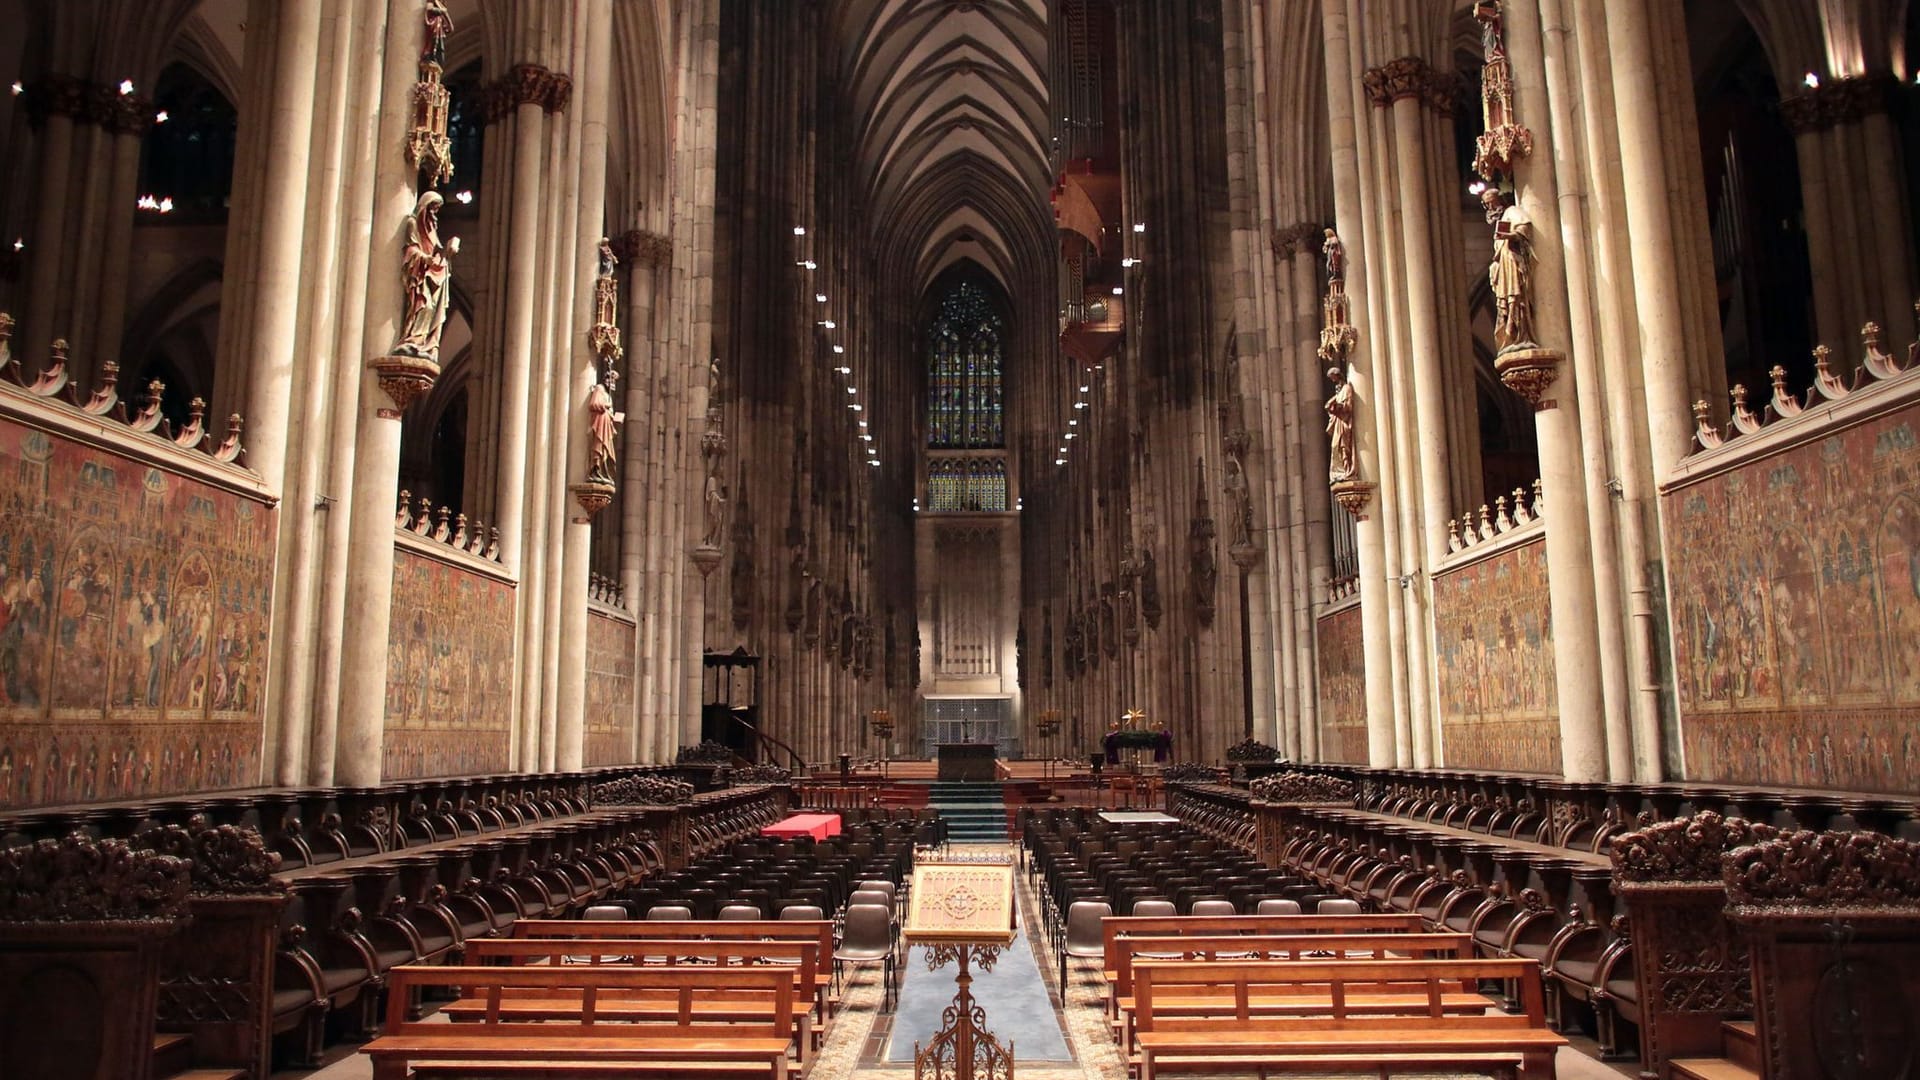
(595, 86)
(369, 591)
(1542, 374)
(278, 278)
(1656, 276)
(55, 101)
(1347, 185)
(525, 83)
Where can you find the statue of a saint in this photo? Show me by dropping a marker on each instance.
(716, 503)
(1340, 463)
(428, 266)
(1335, 254)
(1238, 504)
(603, 423)
(608, 260)
(1511, 273)
(439, 28)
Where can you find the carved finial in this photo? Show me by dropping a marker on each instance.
(107, 394)
(1501, 522)
(53, 378)
(1486, 522)
(195, 428)
(1878, 362)
(423, 516)
(1453, 535)
(402, 517)
(459, 531)
(230, 448)
(493, 543)
(1539, 499)
(1521, 515)
(1743, 417)
(1784, 401)
(441, 531)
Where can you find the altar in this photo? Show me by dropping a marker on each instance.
(967, 761)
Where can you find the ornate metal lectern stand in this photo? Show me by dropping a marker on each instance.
(962, 913)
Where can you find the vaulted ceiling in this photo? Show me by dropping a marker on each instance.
(949, 100)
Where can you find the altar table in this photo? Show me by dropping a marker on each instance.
(818, 826)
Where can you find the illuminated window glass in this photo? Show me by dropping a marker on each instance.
(963, 372)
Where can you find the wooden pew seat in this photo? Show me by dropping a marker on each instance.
(1234, 1037)
(683, 1043)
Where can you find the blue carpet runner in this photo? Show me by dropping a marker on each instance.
(1013, 994)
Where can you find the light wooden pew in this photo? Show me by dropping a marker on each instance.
(591, 1043)
(1289, 1000)
(1424, 1036)
(799, 957)
(820, 930)
(1113, 927)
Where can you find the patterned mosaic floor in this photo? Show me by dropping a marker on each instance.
(857, 1044)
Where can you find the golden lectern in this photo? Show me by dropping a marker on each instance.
(962, 912)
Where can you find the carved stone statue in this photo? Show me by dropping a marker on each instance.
(1340, 460)
(428, 266)
(1511, 275)
(715, 498)
(1238, 505)
(1335, 254)
(603, 423)
(608, 260)
(439, 28)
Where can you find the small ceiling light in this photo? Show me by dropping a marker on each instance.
(1117, 290)
(819, 298)
(1079, 404)
(828, 323)
(799, 230)
(838, 349)
(855, 406)
(464, 198)
(863, 423)
(1812, 81)
(1068, 435)
(1062, 450)
(1073, 423)
(853, 389)
(1127, 263)
(19, 244)
(126, 87)
(19, 88)
(1139, 226)
(161, 117)
(1086, 389)
(1476, 187)
(866, 437)
(811, 265)
(166, 205)
(844, 370)
(1059, 461)
(875, 462)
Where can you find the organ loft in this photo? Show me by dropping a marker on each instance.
(1088, 538)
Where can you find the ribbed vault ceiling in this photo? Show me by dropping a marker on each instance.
(949, 105)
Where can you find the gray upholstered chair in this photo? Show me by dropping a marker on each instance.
(607, 912)
(669, 913)
(1341, 906)
(802, 913)
(1278, 907)
(739, 913)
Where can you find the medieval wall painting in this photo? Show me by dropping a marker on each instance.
(449, 669)
(611, 680)
(1795, 584)
(1343, 688)
(1494, 653)
(134, 608)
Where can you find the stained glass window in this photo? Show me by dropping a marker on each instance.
(963, 372)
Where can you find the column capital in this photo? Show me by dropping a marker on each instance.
(120, 114)
(1838, 102)
(1405, 77)
(528, 84)
(55, 95)
(636, 247)
(1291, 240)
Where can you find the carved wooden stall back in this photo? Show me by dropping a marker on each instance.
(82, 926)
(1833, 926)
(1691, 968)
(216, 979)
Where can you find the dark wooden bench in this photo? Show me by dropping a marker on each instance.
(595, 1040)
(1424, 1035)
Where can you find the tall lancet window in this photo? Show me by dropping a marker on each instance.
(963, 372)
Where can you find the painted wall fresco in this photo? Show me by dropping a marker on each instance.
(611, 680)
(1495, 656)
(449, 670)
(1795, 583)
(134, 610)
(1343, 688)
